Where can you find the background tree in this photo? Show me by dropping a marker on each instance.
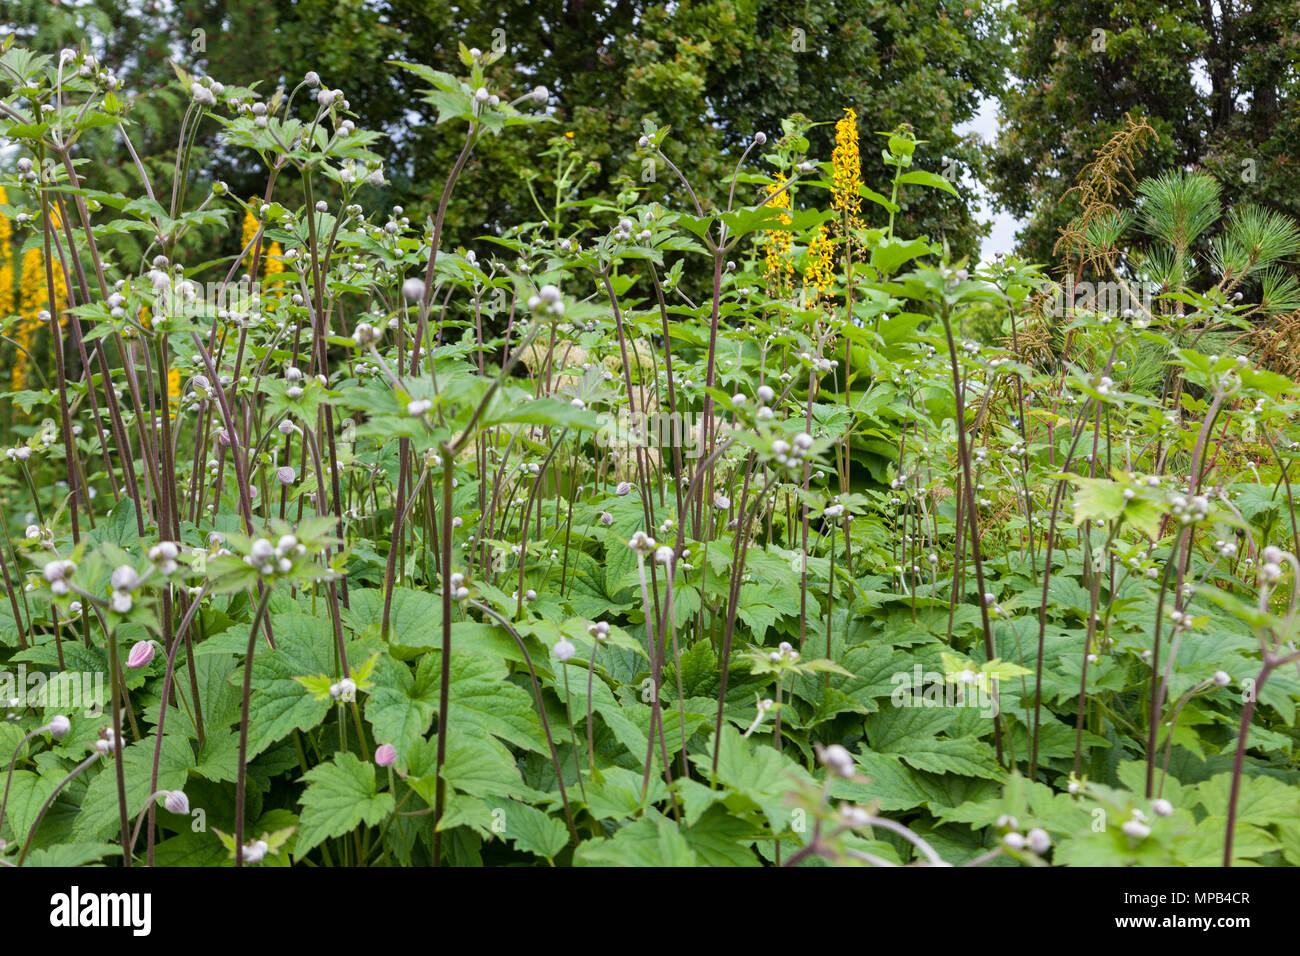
(609, 65)
(1217, 82)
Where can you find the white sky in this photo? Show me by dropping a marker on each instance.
(1002, 238)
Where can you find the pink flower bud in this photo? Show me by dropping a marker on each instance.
(177, 802)
(141, 654)
(385, 754)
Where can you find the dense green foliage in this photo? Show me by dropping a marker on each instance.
(526, 553)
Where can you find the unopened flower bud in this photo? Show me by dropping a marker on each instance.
(141, 654)
(838, 759)
(177, 802)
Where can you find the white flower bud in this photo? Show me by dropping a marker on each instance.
(641, 543)
(1136, 829)
(838, 760)
(1039, 841)
(125, 579)
(255, 852)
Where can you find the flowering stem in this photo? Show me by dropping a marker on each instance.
(969, 486)
(591, 676)
(444, 678)
(1157, 688)
(148, 808)
(733, 606)
(36, 824)
(241, 773)
(13, 760)
(573, 737)
(656, 661)
(541, 712)
(1247, 712)
(116, 685)
(168, 676)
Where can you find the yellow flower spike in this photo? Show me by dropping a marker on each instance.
(6, 228)
(32, 285)
(7, 302)
(174, 388)
(250, 230)
(819, 274)
(7, 298)
(272, 265)
(779, 272)
(846, 164)
(31, 300)
(60, 294)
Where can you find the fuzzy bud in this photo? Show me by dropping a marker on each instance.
(141, 654)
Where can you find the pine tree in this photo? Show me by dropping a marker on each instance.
(1214, 81)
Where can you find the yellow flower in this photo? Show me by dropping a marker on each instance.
(31, 302)
(6, 284)
(846, 182)
(174, 388)
(7, 301)
(32, 297)
(250, 230)
(272, 264)
(569, 135)
(779, 273)
(819, 274)
(32, 286)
